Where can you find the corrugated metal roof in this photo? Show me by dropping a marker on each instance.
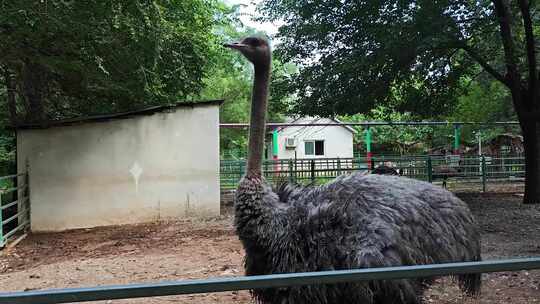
(114, 116)
(315, 120)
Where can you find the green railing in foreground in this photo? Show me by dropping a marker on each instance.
(13, 189)
(265, 281)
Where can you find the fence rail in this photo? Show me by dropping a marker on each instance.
(464, 169)
(258, 282)
(14, 206)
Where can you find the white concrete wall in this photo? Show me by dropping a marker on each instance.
(338, 141)
(140, 169)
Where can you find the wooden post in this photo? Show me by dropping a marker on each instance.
(338, 166)
(429, 169)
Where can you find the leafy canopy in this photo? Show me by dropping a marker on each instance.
(81, 57)
(409, 55)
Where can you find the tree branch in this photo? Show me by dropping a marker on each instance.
(503, 14)
(524, 6)
(484, 64)
(11, 99)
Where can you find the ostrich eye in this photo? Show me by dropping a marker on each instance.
(252, 42)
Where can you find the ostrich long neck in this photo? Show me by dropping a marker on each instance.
(257, 123)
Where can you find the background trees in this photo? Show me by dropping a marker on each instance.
(413, 55)
(63, 59)
(399, 60)
(67, 58)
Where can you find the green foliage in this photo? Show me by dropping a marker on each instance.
(483, 100)
(391, 139)
(231, 79)
(104, 56)
(356, 55)
(409, 55)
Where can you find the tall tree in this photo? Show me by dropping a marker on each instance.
(66, 58)
(411, 54)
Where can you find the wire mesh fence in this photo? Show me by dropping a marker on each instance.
(444, 169)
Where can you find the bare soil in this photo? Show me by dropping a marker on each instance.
(210, 248)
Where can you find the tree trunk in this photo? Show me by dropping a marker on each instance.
(531, 133)
(11, 98)
(33, 87)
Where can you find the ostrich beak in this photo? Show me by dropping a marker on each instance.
(235, 45)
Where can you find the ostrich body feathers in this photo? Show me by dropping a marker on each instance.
(355, 221)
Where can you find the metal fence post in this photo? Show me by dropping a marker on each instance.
(27, 194)
(291, 171)
(312, 171)
(483, 173)
(338, 167)
(2, 241)
(265, 169)
(429, 169)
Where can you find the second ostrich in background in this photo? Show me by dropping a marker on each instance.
(355, 221)
(444, 172)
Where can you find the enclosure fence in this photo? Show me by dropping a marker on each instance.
(259, 282)
(479, 170)
(14, 206)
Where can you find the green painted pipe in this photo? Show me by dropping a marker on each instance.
(368, 140)
(275, 144)
(263, 281)
(457, 138)
(368, 148)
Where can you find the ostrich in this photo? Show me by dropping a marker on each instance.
(444, 172)
(383, 169)
(355, 221)
(387, 168)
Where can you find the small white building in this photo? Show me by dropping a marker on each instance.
(148, 165)
(303, 142)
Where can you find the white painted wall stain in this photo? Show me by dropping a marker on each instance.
(136, 172)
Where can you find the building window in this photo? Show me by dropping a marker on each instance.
(314, 147)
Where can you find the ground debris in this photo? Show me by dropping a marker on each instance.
(194, 249)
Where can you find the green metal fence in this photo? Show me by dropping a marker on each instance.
(461, 169)
(14, 206)
(258, 282)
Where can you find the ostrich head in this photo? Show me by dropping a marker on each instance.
(255, 49)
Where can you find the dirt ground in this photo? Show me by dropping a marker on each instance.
(202, 249)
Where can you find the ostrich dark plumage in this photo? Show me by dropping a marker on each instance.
(355, 221)
(386, 170)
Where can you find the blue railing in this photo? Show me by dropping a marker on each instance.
(257, 282)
